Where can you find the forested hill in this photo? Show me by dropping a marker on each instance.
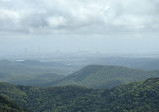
(134, 97)
(8, 106)
(105, 76)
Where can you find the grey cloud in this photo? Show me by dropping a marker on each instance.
(78, 16)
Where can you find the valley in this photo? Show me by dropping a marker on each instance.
(36, 86)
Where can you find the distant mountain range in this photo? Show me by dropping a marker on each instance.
(94, 88)
(104, 76)
(42, 74)
(31, 72)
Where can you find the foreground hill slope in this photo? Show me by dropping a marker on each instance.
(8, 106)
(58, 99)
(105, 76)
(133, 97)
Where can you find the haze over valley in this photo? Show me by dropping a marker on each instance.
(79, 56)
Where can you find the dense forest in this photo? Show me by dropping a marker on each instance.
(8, 106)
(94, 88)
(134, 97)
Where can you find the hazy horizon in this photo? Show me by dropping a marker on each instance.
(107, 26)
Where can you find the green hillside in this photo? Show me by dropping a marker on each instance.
(31, 72)
(134, 97)
(8, 106)
(48, 74)
(105, 76)
(58, 99)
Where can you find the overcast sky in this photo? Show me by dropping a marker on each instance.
(72, 25)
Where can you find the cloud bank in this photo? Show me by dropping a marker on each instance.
(78, 16)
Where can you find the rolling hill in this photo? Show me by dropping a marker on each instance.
(31, 72)
(133, 97)
(105, 76)
(53, 73)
